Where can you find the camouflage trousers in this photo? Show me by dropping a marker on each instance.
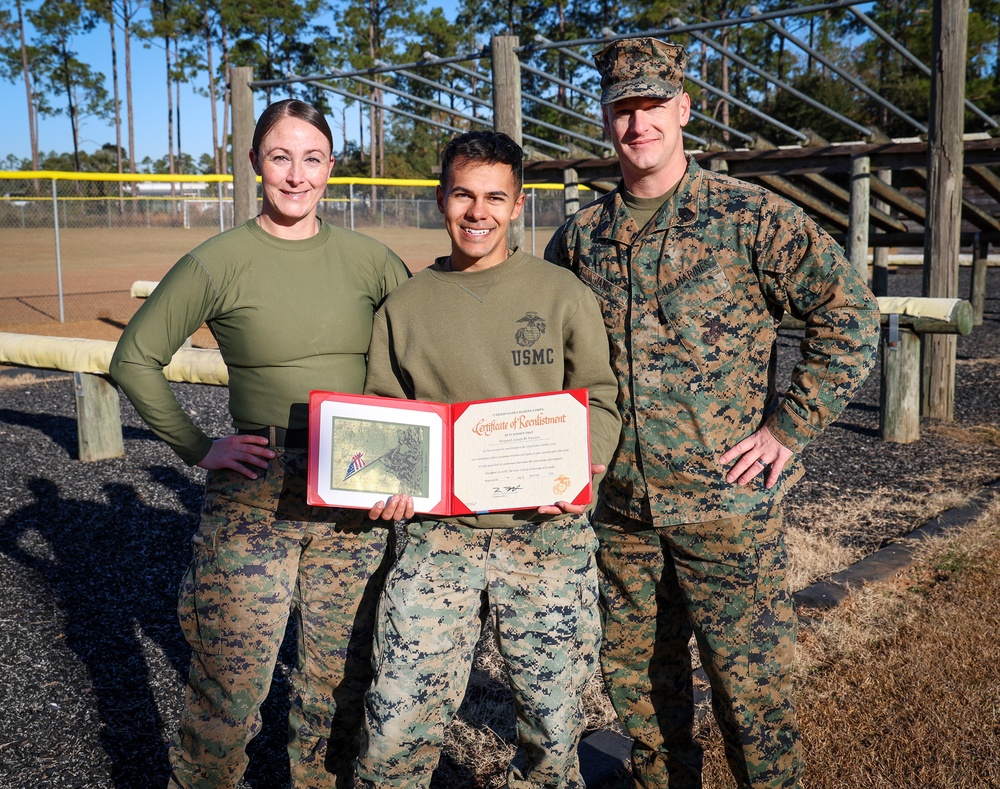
(260, 555)
(537, 585)
(725, 582)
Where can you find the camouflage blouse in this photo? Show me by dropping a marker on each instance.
(692, 304)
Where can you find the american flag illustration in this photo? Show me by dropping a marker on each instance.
(357, 463)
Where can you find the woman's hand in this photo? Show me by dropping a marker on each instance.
(240, 453)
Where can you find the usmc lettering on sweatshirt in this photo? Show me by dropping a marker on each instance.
(526, 336)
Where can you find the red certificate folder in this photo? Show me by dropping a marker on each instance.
(496, 455)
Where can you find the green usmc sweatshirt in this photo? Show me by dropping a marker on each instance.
(521, 327)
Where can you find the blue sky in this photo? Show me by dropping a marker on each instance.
(149, 94)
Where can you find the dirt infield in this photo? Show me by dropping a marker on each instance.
(98, 269)
(99, 266)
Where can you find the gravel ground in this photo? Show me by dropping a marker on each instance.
(91, 555)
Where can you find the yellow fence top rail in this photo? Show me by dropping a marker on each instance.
(64, 175)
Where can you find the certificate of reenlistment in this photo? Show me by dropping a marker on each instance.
(484, 456)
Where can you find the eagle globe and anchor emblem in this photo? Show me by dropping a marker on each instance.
(529, 334)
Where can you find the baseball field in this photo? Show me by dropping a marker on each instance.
(99, 266)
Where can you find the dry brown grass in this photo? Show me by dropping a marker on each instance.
(832, 527)
(982, 362)
(839, 530)
(968, 434)
(900, 685)
(26, 379)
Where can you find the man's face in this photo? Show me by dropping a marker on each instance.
(478, 202)
(646, 133)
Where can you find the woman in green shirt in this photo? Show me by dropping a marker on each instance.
(290, 300)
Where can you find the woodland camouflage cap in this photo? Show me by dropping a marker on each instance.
(640, 67)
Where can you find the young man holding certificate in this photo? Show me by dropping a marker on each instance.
(488, 322)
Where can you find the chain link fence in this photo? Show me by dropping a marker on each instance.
(71, 245)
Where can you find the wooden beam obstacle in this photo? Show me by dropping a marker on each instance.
(98, 404)
(903, 321)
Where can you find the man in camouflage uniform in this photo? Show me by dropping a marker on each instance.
(488, 322)
(694, 271)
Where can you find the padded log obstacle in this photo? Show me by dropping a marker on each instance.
(903, 320)
(141, 288)
(921, 315)
(899, 396)
(98, 404)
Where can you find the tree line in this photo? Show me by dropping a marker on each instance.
(743, 75)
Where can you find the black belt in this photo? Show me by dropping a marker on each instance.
(295, 438)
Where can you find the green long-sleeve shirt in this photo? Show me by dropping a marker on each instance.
(289, 317)
(521, 327)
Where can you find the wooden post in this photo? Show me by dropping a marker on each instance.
(571, 192)
(946, 155)
(857, 229)
(244, 179)
(977, 288)
(98, 418)
(880, 255)
(899, 396)
(507, 108)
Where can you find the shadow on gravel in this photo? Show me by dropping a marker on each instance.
(858, 418)
(62, 429)
(113, 569)
(871, 432)
(107, 566)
